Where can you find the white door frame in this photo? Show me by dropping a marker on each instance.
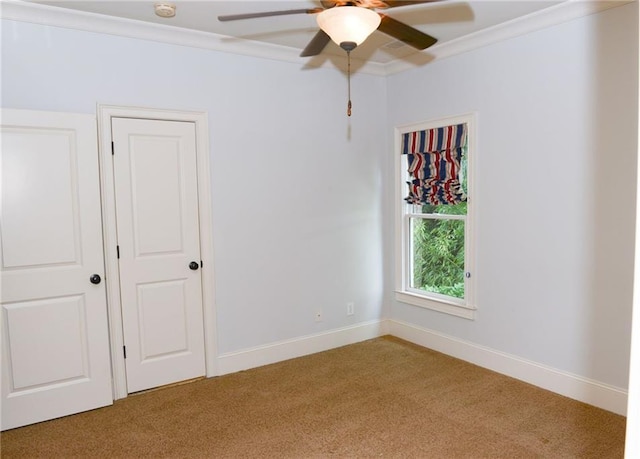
(112, 280)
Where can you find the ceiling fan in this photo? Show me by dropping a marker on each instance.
(349, 23)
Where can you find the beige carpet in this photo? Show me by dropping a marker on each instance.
(379, 398)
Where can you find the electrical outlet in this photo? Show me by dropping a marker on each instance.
(350, 308)
(319, 315)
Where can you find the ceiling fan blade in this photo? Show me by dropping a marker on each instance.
(407, 34)
(394, 3)
(331, 3)
(316, 45)
(236, 17)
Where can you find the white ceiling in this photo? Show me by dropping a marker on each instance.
(445, 20)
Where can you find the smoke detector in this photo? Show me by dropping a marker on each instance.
(165, 10)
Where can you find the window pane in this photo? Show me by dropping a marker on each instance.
(438, 255)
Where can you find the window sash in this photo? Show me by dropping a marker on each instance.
(410, 215)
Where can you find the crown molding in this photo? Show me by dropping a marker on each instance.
(548, 17)
(35, 13)
(90, 22)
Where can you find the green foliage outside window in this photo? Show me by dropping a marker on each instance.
(438, 253)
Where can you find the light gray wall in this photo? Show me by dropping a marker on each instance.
(303, 196)
(556, 156)
(297, 206)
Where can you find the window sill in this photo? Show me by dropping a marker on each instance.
(466, 312)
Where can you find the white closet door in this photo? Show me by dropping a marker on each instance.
(156, 190)
(55, 346)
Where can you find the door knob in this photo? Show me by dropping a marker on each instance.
(95, 279)
(193, 265)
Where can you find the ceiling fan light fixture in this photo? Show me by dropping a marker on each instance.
(348, 24)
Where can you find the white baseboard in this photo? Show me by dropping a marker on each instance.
(573, 386)
(576, 387)
(298, 347)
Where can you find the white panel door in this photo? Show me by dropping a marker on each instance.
(156, 192)
(55, 345)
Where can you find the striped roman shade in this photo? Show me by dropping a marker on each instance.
(434, 157)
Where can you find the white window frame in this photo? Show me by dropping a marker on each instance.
(404, 292)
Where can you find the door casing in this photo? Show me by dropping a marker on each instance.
(112, 280)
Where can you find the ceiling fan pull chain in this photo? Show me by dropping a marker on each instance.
(349, 82)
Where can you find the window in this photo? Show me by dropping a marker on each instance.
(435, 211)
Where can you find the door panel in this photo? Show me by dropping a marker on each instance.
(45, 158)
(163, 319)
(155, 180)
(55, 348)
(157, 229)
(34, 361)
